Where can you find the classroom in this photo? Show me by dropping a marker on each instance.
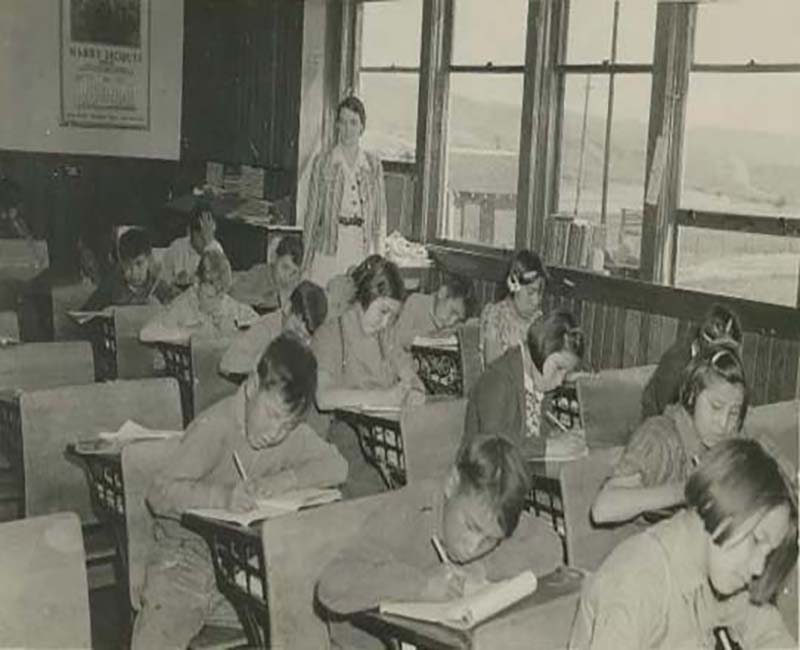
(399, 324)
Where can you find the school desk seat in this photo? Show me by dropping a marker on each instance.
(209, 385)
(610, 403)
(135, 360)
(295, 554)
(9, 326)
(54, 417)
(68, 297)
(469, 337)
(431, 436)
(44, 600)
(140, 463)
(45, 365)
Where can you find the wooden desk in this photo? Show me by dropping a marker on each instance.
(543, 619)
(239, 567)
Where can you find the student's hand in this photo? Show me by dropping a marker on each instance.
(242, 497)
(208, 228)
(568, 444)
(446, 583)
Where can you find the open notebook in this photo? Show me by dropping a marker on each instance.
(82, 317)
(466, 612)
(130, 431)
(436, 342)
(280, 504)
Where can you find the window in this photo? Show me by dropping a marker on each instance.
(485, 108)
(388, 76)
(607, 75)
(742, 153)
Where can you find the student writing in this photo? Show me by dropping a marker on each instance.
(665, 449)
(263, 422)
(477, 514)
(719, 563)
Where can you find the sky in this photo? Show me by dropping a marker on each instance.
(728, 31)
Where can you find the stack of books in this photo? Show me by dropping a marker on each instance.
(572, 242)
(251, 183)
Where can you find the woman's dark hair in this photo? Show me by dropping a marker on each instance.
(377, 277)
(555, 331)
(736, 480)
(493, 467)
(353, 103)
(289, 364)
(291, 246)
(719, 324)
(133, 243)
(719, 361)
(526, 267)
(309, 302)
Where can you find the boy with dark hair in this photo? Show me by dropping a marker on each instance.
(428, 314)
(263, 424)
(476, 513)
(272, 284)
(182, 257)
(135, 280)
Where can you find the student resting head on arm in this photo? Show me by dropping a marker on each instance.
(426, 314)
(135, 279)
(719, 326)
(308, 308)
(719, 563)
(509, 395)
(263, 424)
(477, 514)
(505, 324)
(665, 449)
(204, 309)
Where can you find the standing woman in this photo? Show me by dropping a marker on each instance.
(345, 218)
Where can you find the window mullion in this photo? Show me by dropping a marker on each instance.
(609, 118)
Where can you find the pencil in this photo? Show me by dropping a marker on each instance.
(440, 550)
(239, 467)
(555, 421)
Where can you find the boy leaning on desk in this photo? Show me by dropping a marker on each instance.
(261, 426)
(475, 514)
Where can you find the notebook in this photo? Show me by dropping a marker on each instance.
(467, 612)
(131, 431)
(83, 317)
(438, 343)
(276, 506)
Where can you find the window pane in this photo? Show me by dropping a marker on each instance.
(744, 265)
(391, 33)
(626, 160)
(391, 103)
(489, 31)
(736, 32)
(742, 148)
(590, 31)
(483, 158)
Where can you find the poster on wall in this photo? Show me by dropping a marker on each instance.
(105, 63)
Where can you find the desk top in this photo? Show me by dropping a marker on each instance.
(562, 583)
(206, 527)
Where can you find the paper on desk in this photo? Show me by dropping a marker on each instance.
(440, 342)
(275, 506)
(82, 317)
(470, 610)
(131, 431)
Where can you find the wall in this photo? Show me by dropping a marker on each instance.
(30, 86)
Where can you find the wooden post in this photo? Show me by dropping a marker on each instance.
(437, 29)
(540, 130)
(674, 45)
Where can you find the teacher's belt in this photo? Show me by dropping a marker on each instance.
(357, 222)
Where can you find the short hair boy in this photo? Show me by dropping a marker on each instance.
(134, 280)
(477, 514)
(263, 423)
(271, 285)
